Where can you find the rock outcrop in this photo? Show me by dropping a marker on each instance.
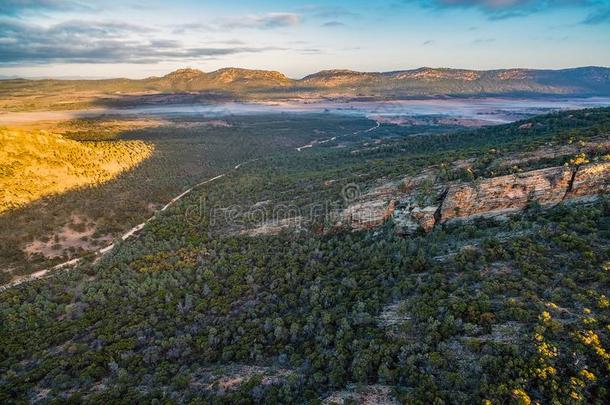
(413, 218)
(411, 199)
(371, 209)
(422, 203)
(590, 180)
(501, 195)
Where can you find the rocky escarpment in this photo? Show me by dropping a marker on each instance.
(423, 202)
(501, 195)
(506, 194)
(590, 180)
(371, 209)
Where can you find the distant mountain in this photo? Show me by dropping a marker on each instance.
(340, 78)
(423, 82)
(437, 82)
(245, 84)
(227, 78)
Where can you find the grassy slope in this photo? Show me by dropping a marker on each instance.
(37, 164)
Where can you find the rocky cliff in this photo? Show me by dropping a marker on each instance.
(590, 180)
(422, 202)
(501, 195)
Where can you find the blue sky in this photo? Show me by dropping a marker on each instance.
(143, 38)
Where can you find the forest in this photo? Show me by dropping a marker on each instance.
(170, 157)
(492, 310)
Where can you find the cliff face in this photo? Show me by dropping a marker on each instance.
(590, 180)
(422, 202)
(506, 193)
(371, 209)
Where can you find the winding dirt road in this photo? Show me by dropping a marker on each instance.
(99, 253)
(316, 142)
(133, 231)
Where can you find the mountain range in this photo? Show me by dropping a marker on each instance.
(422, 82)
(243, 84)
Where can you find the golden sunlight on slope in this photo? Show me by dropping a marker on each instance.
(34, 164)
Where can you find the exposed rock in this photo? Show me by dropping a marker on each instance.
(369, 214)
(590, 180)
(367, 395)
(373, 208)
(422, 202)
(410, 220)
(425, 217)
(411, 201)
(504, 194)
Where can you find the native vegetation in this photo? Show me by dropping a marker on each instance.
(491, 311)
(36, 164)
(60, 223)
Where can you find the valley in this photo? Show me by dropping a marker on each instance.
(195, 149)
(467, 112)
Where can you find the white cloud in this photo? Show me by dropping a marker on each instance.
(264, 21)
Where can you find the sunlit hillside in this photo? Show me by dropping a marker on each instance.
(35, 164)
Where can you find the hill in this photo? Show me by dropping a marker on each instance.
(222, 79)
(35, 164)
(458, 82)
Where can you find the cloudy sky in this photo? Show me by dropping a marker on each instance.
(138, 38)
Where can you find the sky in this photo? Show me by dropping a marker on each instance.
(138, 38)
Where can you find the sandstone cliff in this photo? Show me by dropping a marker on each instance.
(591, 180)
(500, 195)
(371, 209)
(423, 202)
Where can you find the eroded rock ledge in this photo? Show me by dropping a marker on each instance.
(423, 201)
